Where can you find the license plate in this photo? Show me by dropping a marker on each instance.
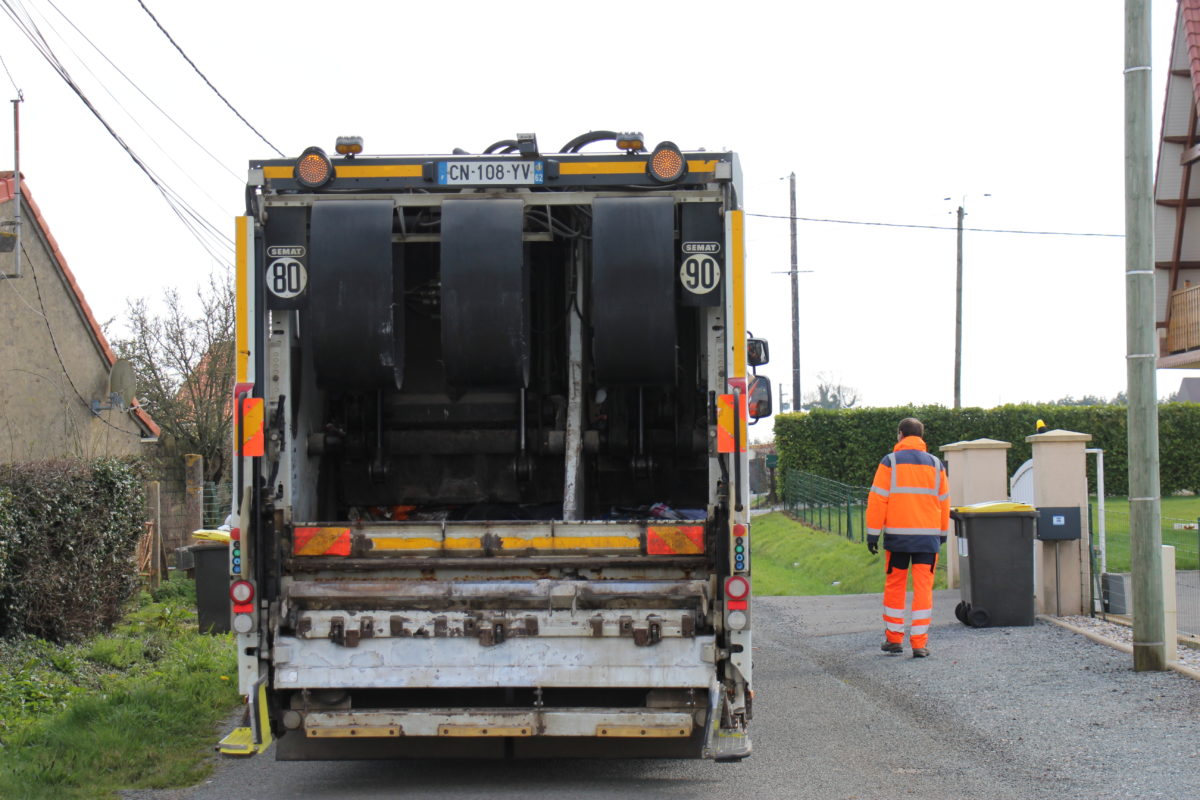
(477, 173)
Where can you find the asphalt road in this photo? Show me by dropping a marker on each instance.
(1001, 714)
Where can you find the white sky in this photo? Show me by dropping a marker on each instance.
(881, 108)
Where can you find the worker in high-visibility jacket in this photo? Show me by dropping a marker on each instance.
(909, 505)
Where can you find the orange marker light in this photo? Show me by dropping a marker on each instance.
(666, 163)
(313, 168)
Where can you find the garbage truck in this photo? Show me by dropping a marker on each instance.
(490, 423)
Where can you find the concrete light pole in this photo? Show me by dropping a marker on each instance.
(795, 305)
(958, 295)
(1145, 514)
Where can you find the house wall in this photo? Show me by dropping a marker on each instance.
(51, 366)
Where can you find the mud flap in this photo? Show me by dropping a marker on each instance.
(485, 294)
(254, 735)
(633, 291)
(354, 320)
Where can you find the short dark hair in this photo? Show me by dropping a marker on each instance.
(911, 426)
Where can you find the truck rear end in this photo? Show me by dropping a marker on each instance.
(490, 454)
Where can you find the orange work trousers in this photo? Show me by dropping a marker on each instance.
(923, 565)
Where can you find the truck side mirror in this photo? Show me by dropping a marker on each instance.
(757, 352)
(758, 397)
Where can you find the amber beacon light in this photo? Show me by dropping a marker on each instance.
(313, 168)
(666, 164)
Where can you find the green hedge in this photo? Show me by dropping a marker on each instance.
(846, 445)
(68, 534)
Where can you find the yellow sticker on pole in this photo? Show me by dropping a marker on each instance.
(726, 420)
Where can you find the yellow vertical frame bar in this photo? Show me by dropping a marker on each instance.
(243, 241)
(737, 237)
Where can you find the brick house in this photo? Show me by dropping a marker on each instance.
(54, 358)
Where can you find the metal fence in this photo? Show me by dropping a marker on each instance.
(825, 504)
(217, 503)
(1182, 534)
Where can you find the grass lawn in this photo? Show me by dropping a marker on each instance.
(135, 708)
(789, 558)
(1175, 509)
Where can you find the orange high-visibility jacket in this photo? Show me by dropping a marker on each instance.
(909, 501)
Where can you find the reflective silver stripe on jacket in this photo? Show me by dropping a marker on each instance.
(916, 490)
(914, 531)
(880, 492)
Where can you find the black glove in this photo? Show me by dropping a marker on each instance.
(873, 548)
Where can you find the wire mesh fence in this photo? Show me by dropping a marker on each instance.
(217, 503)
(826, 504)
(1113, 554)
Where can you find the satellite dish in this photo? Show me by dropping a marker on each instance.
(122, 382)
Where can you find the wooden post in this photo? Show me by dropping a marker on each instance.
(193, 492)
(154, 506)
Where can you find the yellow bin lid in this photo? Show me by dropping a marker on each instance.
(994, 507)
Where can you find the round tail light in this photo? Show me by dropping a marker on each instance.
(737, 588)
(241, 592)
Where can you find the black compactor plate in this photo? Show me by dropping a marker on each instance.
(633, 291)
(356, 325)
(485, 294)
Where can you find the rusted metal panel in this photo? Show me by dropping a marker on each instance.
(491, 722)
(521, 565)
(445, 596)
(410, 662)
(657, 624)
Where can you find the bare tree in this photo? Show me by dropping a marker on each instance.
(185, 368)
(831, 394)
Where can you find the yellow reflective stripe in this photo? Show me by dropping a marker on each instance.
(738, 334)
(573, 543)
(377, 171)
(241, 319)
(354, 171)
(508, 543)
(414, 170)
(624, 167)
(425, 543)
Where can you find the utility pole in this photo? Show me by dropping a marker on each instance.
(795, 305)
(16, 273)
(958, 316)
(1145, 523)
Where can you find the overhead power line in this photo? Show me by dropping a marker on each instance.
(142, 92)
(16, 88)
(215, 241)
(206, 80)
(936, 227)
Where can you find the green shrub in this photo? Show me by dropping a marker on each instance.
(68, 533)
(846, 445)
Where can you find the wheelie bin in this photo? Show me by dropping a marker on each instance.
(995, 559)
(212, 586)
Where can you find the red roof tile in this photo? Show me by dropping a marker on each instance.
(1189, 18)
(8, 190)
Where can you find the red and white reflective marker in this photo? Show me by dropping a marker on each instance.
(737, 588)
(241, 592)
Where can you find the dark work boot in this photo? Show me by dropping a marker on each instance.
(920, 652)
(892, 648)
